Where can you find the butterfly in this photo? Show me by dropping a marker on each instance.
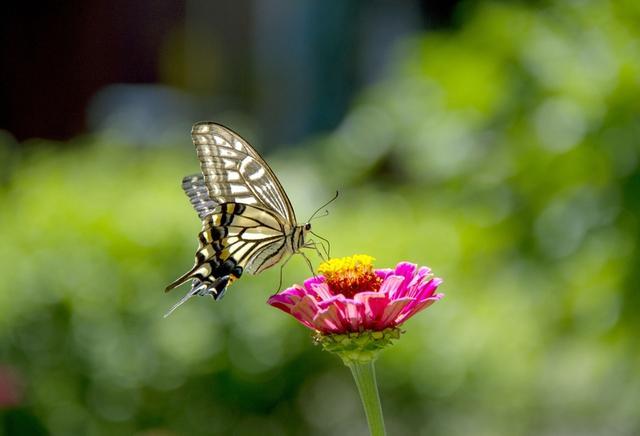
(248, 223)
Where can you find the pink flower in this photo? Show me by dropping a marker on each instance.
(11, 388)
(350, 296)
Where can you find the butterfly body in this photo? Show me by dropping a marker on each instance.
(248, 223)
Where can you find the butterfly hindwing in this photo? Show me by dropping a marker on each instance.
(198, 194)
(241, 231)
(232, 240)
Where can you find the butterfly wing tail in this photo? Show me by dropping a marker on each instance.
(215, 289)
(193, 291)
(182, 279)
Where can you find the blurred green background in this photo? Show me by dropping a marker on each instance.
(497, 143)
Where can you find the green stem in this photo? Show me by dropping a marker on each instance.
(365, 376)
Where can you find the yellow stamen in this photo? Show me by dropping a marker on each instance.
(350, 275)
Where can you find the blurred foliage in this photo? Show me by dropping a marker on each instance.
(504, 155)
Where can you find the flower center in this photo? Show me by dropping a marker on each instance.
(350, 275)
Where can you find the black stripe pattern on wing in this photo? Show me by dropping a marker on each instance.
(234, 172)
(231, 238)
(198, 194)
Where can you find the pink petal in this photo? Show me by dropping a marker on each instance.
(329, 320)
(280, 304)
(411, 310)
(426, 290)
(423, 271)
(383, 272)
(338, 300)
(423, 292)
(391, 312)
(421, 276)
(322, 290)
(305, 310)
(310, 283)
(374, 304)
(406, 269)
(295, 291)
(354, 313)
(390, 285)
(287, 298)
(348, 309)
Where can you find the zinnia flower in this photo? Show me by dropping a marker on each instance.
(350, 296)
(356, 310)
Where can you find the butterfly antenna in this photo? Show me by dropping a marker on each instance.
(324, 205)
(326, 213)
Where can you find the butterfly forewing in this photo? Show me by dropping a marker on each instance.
(234, 172)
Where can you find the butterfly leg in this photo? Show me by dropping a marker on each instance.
(308, 263)
(314, 245)
(326, 249)
(281, 269)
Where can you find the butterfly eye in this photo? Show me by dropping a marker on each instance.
(307, 226)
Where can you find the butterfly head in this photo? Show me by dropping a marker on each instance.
(300, 236)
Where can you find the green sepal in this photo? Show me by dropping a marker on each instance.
(358, 347)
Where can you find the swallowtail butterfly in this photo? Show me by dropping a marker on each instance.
(248, 223)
